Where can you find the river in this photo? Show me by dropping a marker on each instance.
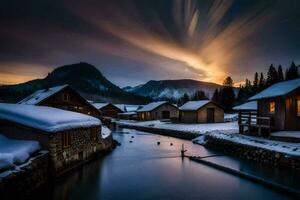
(142, 169)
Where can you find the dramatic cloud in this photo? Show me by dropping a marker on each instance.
(133, 41)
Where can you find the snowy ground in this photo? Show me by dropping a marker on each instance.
(14, 152)
(105, 132)
(230, 117)
(290, 134)
(231, 127)
(281, 147)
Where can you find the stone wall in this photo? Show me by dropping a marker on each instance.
(81, 149)
(252, 153)
(29, 179)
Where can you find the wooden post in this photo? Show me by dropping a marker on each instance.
(249, 122)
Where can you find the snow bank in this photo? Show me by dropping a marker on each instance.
(231, 127)
(45, 118)
(230, 117)
(15, 151)
(105, 132)
(280, 147)
(290, 134)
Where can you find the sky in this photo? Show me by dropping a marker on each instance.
(134, 41)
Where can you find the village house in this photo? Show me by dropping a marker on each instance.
(109, 109)
(203, 111)
(70, 137)
(130, 112)
(62, 97)
(278, 106)
(157, 111)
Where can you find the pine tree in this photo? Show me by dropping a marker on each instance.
(280, 73)
(255, 82)
(261, 83)
(227, 94)
(272, 76)
(292, 72)
(199, 95)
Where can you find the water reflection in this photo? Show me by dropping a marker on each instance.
(144, 170)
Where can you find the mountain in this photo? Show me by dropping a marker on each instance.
(83, 77)
(172, 89)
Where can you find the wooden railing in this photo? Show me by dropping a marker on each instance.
(250, 120)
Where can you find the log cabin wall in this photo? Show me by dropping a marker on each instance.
(68, 99)
(110, 111)
(292, 120)
(278, 117)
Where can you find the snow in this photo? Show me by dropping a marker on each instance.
(151, 106)
(45, 118)
(190, 128)
(278, 89)
(291, 134)
(15, 151)
(292, 149)
(194, 105)
(252, 105)
(99, 105)
(105, 132)
(230, 117)
(41, 95)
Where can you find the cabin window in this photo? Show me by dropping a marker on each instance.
(66, 139)
(298, 107)
(272, 107)
(94, 133)
(66, 97)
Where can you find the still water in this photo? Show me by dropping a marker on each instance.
(142, 169)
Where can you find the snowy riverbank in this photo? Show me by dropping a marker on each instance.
(228, 127)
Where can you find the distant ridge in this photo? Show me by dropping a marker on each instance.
(83, 77)
(172, 89)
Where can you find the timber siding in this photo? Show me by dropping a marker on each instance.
(157, 113)
(110, 110)
(200, 115)
(285, 116)
(75, 102)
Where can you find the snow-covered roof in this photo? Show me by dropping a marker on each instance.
(99, 105)
(251, 105)
(151, 106)
(121, 107)
(194, 105)
(41, 95)
(278, 89)
(45, 118)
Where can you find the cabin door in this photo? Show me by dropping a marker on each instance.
(165, 114)
(210, 115)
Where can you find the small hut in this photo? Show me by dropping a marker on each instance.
(204, 111)
(70, 137)
(62, 97)
(157, 111)
(109, 109)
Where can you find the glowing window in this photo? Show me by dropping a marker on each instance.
(272, 107)
(298, 107)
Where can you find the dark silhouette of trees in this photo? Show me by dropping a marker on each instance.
(280, 73)
(199, 95)
(227, 94)
(292, 72)
(272, 76)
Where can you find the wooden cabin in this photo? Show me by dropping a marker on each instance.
(204, 111)
(108, 109)
(279, 106)
(62, 97)
(70, 137)
(157, 111)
